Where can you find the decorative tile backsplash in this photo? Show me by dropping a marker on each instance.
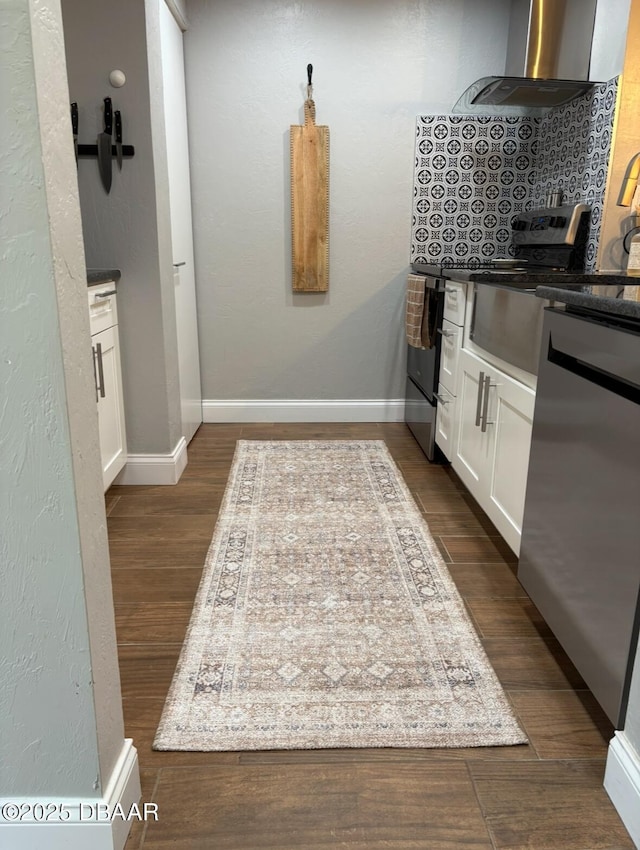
(575, 142)
(472, 174)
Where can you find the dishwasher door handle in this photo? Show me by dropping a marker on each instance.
(604, 379)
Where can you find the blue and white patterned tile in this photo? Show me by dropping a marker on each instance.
(473, 174)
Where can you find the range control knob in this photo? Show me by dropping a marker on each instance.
(519, 224)
(558, 221)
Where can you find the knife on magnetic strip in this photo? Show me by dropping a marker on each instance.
(104, 147)
(74, 127)
(118, 125)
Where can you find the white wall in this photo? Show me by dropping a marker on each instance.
(377, 64)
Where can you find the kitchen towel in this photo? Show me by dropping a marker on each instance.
(421, 313)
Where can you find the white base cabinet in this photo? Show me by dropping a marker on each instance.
(492, 442)
(105, 344)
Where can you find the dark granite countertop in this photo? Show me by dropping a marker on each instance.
(587, 301)
(102, 276)
(519, 279)
(535, 279)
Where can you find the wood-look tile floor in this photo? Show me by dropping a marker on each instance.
(546, 795)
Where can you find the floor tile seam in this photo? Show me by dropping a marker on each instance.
(485, 819)
(154, 792)
(137, 567)
(111, 505)
(468, 762)
(520, 720)
(137, 604)
(501, 562)
(131, 513)
(147, 644)
(535, 690)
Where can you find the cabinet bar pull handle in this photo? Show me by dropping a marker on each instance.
(441, 399)
(177, 265)
(100, 369)
(446, 333)
(95, 374)
(105, 294)
(485, 406)
(479, 399)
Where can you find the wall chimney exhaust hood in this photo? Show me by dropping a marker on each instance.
(547, 64)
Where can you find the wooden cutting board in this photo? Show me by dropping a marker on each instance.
(310, 203)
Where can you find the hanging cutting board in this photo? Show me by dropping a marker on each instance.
(310, 203)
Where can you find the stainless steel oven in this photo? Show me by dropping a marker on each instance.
(423, 366)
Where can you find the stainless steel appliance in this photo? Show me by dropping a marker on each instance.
(580, 541)
(423, 366)
(547, 63)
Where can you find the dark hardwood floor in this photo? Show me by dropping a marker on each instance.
(547, 795)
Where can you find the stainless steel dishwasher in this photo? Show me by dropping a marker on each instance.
(580, 553)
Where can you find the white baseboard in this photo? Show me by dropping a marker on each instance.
(77, 823)
(622, 783)
(155, 469)
(306, 410)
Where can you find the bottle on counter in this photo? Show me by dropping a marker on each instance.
(633, 263)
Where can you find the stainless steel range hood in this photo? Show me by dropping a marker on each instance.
(547, 64)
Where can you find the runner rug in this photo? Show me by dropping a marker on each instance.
(327, 618)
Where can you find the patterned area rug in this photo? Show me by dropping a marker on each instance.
(327, 618)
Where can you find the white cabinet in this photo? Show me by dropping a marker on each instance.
(455, 299)
(492, 442)
(448, 389)
(103, 318)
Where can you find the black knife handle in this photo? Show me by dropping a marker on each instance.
(309, 73)
(74, 118)
(108, 116)
(118, 119)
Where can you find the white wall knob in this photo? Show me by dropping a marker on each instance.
(117, 79)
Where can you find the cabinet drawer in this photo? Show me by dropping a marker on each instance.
(449, 353)
(455, 296)
(103, 312)
(446, 414)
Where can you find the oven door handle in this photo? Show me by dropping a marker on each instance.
(479, 399)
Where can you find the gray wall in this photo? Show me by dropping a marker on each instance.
(129, 229)
(61, 729)
(377, 65)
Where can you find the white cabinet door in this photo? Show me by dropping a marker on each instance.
(445, 421)
(473, 452)
(177, 139)
(449, 351)
(492, 442)
(106, 358)
(455, 299)
(512, 422)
